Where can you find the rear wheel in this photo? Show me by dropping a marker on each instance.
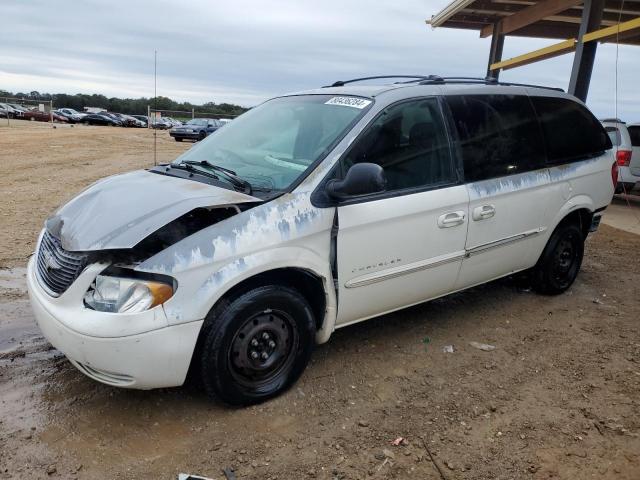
(257, 345)
(560, 261)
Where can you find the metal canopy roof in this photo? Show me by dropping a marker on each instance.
(535, 18)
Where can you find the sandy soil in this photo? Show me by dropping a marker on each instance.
(558, 398)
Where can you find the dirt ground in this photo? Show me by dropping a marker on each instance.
(558, 398)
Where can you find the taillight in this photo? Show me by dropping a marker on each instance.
(614, 174)
(623, 158)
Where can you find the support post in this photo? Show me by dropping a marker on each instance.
(495, 54)
(585, 52)
(149, 116)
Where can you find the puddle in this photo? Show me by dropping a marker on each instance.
(13, 279)
(18, 330)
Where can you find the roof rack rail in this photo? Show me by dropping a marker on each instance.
(612, 120)
(485, 81)
(414, 78)
(436, 79)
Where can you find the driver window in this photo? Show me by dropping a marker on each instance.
(409, 141)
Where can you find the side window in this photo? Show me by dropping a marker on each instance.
(409, 141)
(614, 135)
(571, 131)
(498, 135)
(634, 133)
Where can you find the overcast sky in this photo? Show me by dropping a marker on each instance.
(244, 51)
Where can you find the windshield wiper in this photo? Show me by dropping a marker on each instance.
(190, 168)
(230, 175)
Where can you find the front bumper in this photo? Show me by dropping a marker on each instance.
(102, 345)
(185, 135)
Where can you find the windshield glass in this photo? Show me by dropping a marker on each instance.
(197, 121)
(271, 145)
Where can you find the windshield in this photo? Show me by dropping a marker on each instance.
(196, 121)
(271, 145)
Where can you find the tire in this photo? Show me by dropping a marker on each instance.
(560, 261)
(86, 123)
(202, 136)
(178, 139)
(256, 345)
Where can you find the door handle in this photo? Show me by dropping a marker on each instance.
(483, 212)
(451, 219)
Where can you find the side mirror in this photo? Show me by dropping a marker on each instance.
(361, 179)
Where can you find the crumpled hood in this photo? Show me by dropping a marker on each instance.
(120, 211)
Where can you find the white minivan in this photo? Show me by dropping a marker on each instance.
(310, 212)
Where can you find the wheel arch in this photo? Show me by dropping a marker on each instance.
(308, 283)
(579, 209)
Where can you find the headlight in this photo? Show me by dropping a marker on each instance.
(126, 295)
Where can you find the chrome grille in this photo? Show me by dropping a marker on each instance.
(57, 268)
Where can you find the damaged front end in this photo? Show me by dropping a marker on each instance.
(120, 222)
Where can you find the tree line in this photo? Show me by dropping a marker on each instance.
(131, 106)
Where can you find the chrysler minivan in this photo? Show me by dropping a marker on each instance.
(311, 212)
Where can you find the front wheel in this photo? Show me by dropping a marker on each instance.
(560, 261)
(257, 345)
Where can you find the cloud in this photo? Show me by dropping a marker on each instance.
(247, 50)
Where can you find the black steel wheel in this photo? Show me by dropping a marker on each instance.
(257, 345)
(202, 135)
(560, 261)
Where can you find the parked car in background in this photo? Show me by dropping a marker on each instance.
(132, 121)
(312, 212)
(626, 141)
(173, 121)
(72, 115)
(195, 129)
(37, 115)
(100, 119)
(22, 108)
(142, 118)
(11, 111)
(162, 123)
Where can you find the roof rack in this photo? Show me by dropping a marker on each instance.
(436, 79)
(483, 81)
(414, 78)
(612, 120)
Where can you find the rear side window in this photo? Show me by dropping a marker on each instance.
(571, 131)
(614, 135)
(498, 135)
(634, 133)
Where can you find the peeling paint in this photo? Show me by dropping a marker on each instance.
(288, 217)
(504, 185)
(572, 170)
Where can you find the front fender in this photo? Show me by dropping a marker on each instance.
(200, 292)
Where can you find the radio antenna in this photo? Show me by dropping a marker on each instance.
(155, 105)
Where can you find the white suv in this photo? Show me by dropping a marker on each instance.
(311, 212)
(626, 142)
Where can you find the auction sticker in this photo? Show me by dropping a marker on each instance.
(354, 102)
